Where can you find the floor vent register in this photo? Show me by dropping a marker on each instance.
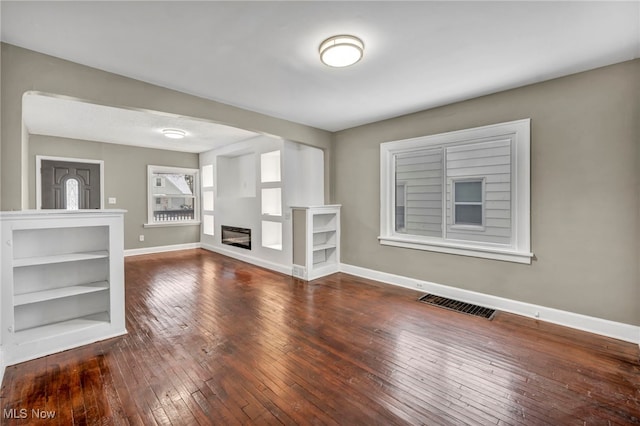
(458, 306)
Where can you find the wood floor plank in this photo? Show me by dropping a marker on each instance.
(213, 340)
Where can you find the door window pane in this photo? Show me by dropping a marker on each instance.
(72, 194)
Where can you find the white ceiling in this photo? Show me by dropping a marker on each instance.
(69, 118)
(262, 56)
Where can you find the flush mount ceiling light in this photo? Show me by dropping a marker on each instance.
(174, 133)
(341, 51)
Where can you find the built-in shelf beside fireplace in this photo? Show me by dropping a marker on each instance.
(250, 185)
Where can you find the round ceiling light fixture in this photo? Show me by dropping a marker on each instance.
(174, 133)
(341, 51)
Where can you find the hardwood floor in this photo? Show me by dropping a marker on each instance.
(216, 341)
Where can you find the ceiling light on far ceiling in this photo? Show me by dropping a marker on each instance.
(174, 133)
(341, 51)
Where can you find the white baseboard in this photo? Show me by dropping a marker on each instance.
(240, 256)
(44, 348)
(617, 330)
(161, 249)
(283, 269)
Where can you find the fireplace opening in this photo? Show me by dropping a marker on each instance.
(239, 237)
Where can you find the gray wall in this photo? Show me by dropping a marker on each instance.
(23, 70)
(585, 175)
(125, 178)
(585, 194)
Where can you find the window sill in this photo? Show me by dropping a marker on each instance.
(167, 224)
(459, 249)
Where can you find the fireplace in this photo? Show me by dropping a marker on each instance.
(239, 237)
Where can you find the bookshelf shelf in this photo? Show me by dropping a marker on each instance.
(62, 280)
(316, 241)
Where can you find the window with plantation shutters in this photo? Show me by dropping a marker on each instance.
(464, 192)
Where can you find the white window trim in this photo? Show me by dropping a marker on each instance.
(519, 250)
(151, 169)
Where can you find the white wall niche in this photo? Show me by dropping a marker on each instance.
(207, 176)
(207, 200)
(270, 167)
(208, 224)
(272, 201)
(272, 235)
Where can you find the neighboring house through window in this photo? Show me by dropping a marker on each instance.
(468, 202)
(463, 192)
(401, 211)
(173, 196)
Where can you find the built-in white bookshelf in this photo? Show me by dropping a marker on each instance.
(59, 293)
(62, 280)
(316, 241)
(283, 173)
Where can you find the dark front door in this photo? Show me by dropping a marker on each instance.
(70, 185)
